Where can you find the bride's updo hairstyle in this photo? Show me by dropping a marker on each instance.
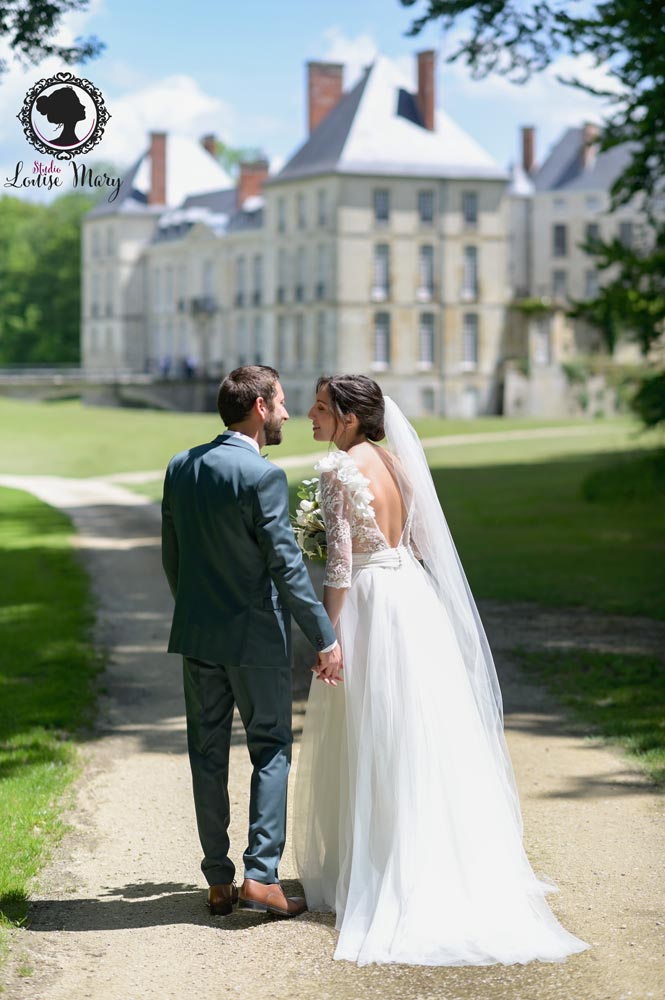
(359, 395)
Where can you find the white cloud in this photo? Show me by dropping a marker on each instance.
(543, 101)
(173, 104)
(356, 53)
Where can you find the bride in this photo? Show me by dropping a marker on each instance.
(407, 819)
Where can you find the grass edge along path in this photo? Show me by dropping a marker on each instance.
(48, 671)
(620, 696)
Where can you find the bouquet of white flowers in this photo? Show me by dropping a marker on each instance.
(308, 526)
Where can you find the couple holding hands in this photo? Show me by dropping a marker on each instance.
(407, 820)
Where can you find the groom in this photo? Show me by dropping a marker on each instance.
(235, 571)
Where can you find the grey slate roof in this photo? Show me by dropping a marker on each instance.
(376, 129)
(128, 200)
(323, 149)
(563, 169)
(217, 201)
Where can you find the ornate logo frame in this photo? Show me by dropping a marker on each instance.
(95, 95)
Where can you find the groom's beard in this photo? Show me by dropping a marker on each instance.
(273, 430)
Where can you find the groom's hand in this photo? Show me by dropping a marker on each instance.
(329, 667)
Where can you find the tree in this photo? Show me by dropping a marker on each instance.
(517, 38)
(231, 158)
(29, 27)
(40, 280)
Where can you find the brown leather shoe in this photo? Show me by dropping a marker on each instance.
(269, 899)
(222, 898)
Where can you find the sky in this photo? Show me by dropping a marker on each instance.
(237, 69)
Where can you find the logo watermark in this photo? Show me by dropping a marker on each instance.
(63, 116)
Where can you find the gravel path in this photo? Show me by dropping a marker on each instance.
(118, 914)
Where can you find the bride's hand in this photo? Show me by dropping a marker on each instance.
(316, 669)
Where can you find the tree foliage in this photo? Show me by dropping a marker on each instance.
(518, 38)
(30, 28)
(40, 280)
(231, 157)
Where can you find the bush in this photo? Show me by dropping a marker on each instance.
(649, 400)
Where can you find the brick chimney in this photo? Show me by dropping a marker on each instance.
(252, 177)
(528, 149)
(157, 193)
(425, 95)
(590, 134)
(324, 89)
(209, 143)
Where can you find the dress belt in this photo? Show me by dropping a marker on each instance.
(385, 558)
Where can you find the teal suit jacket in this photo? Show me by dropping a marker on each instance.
(231, 559)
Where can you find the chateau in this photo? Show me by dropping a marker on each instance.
(390, 243)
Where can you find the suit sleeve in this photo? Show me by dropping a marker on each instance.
(169, 538)
(284, 559)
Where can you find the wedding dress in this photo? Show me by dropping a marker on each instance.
(407, 822)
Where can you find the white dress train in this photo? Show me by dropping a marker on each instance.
(402, 826)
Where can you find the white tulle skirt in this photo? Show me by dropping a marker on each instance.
(402, 822)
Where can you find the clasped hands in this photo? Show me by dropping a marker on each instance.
(329, 667)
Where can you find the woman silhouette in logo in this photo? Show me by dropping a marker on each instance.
(62, 107)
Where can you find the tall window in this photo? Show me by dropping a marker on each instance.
(240, 281)
(302, 214)
(301, 276)
(592, 232)
(321, 271)
(95, 307)
(181, 287)
(626, 233)
(321, 207)
(109, 240)
(242, 347)
(426, 340)
(381, 277)
(542, 344)
(470, 273)
(282, 274)
(168, 289)
(95, 242)
(381, 205)
(470, 341)
(425, 272)
(321, 346)
(559, 284)
(109, 293)
(257, 278)
(300, 346)
(426, 207)
(257, 337)
(281, 342)
(427, 400)
(157, 289)
(470, 208)
(281, 215)
(559, 240)
(381, 358)
(590, 283)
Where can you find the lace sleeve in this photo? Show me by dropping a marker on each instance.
(337, 511)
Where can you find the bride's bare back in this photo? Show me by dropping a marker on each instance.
(376, 464)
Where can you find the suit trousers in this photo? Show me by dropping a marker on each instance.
(263, 697)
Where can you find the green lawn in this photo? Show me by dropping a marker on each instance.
(68, 439)
(47, 671)
(525, 531)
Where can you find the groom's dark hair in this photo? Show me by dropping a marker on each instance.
(240, 390)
